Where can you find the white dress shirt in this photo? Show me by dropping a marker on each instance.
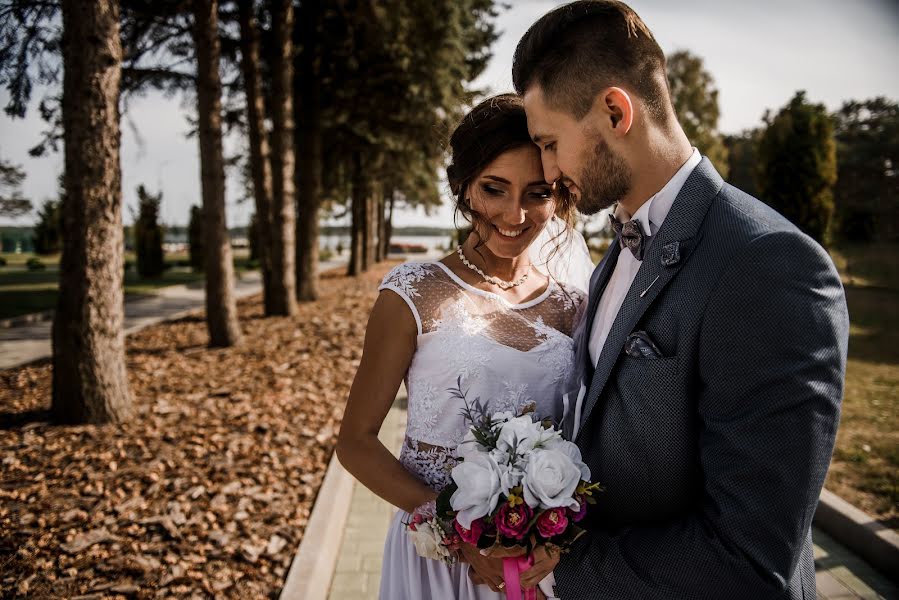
(651, 215)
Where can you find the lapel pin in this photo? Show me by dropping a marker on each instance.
(650, 285)
(671, 254)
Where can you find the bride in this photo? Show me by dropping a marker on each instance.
(496, 315)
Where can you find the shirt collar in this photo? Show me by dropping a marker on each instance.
(653, 212)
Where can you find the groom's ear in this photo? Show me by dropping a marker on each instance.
(614, 110)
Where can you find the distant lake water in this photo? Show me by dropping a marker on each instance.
(431, 242)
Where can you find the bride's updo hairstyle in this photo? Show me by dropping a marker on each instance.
(496, 125)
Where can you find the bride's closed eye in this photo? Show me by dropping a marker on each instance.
(492, 190)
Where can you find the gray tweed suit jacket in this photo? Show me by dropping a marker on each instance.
(712, 456)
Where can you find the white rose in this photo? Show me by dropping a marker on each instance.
(548, 438)
(520, 432)
(510, 476)
(571, 450)
(550, 480)
(428, 541)
(478, 478)
(469, 446)
(501, 417)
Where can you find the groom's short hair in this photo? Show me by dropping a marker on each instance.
(578, 49)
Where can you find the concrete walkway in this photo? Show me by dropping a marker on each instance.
(32, 341)
(358, 571)
(840, 574)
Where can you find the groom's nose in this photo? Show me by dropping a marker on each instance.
(551, 170)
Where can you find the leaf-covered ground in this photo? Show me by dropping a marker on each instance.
(207, 491)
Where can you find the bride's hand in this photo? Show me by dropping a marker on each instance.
(545, 560)
(484, 569)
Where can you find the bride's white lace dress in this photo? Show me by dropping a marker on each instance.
(508, 355)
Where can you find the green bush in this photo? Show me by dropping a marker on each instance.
(253, 237)
(148, 235)
(797, 166)
(195, 240)
(35, 264)
(2, 262)
(47, 235)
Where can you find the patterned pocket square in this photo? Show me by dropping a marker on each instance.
(640, 345)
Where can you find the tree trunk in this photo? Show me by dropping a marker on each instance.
(258, 138)
(221, 307)
(283, 210)
(379, 250)
(376, 221)
(308, 144)
(365, 224)
(90, 380)
(360, 196)
(388, 224)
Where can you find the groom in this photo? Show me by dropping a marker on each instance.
(715, 342)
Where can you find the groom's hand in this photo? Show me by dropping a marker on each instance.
(484, 570)
(545, 560)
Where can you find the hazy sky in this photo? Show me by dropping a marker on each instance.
(759, 53)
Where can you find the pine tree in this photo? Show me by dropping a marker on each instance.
(797, 168)
(867, 188)
(196, 239)
(12, 203)
(695, 100)
(259, 155)
(221, 306)
(148, 235)
(47, 235)
(90, 381)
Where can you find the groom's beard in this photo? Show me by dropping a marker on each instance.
(606, 179)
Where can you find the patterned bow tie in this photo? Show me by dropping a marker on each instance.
(630, 235)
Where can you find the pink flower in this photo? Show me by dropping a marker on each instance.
(577, 515)
(513, 522)
(452, 541)
(470, 535)
(552, 522)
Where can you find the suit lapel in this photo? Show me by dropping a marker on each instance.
(598, 281)
(666, 254)
(604, 272)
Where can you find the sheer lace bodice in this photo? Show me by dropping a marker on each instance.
(508, 355)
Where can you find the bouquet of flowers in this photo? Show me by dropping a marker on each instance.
(518, 485)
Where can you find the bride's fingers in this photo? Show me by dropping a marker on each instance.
(544, 563)
(503, 552)
(478, 579)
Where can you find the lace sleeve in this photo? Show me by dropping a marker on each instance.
(403, 280)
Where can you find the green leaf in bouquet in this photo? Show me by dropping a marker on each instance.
(444, 508)
(569, 536)
(533, 520)
(487, 540)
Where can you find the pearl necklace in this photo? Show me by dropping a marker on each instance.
(489, 278)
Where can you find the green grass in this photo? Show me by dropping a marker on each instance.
(865, 468)
(23, 291)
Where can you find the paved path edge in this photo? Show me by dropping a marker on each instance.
(860, 532)
(320, 546)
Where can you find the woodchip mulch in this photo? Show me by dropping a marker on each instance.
(207, 491)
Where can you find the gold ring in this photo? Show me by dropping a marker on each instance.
(501, 585)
